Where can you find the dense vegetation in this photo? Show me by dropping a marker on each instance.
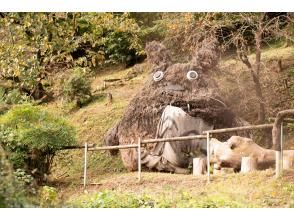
(32, 136)
(52, 67)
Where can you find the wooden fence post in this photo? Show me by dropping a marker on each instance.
(282, 153)
(278, 162)
(208, 157)
(85, 164)
(199, 166)
(139, 159)
(248, 164)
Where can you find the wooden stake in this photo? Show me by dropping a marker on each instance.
(85, 165)
(199, 166)
(282, 153)
(109, 97)
(248, 164)
(278, 160)
(208, 157)
(139, 159)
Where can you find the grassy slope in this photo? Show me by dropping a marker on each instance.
(258, 189)
(92, 121)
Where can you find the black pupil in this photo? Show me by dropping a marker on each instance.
(157, 75)
(193, 75)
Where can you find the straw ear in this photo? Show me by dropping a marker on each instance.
(158, 55)
(207, 54)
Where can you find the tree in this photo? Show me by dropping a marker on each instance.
(243, 32)
(32, 45)
(264, 29)
(31, 137)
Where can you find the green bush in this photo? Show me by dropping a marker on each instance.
(12, 96)
(12, 193)
(16, 97)
(48, 197)
(31, 136)
(78, 87)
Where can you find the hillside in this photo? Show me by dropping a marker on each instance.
(157, 189)
(70, 78)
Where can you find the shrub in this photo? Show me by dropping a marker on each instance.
(16, 97)
(48, 197)
(31, 136)
(13, 96)
(12, 193)
(78, 87)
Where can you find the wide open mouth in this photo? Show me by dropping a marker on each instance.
(209, 108)
(194, 107)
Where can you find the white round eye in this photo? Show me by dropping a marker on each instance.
(157, 76)
(191, 75)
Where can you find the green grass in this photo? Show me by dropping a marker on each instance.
(257, 189)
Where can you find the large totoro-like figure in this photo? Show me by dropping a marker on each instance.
(195, 106)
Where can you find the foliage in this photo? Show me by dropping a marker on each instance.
(110, 199)
(12, 193)
(16, 97)
(48, 197)
(32, 44)
(182, 32)
(31, 136)
(78, 87)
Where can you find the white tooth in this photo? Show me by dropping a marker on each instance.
(188, 107)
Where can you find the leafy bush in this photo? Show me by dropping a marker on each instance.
(16, 97)
(78, 87)
(34, 44)
(31, 136)
(11, 192)
(48, 197)
(12, 96)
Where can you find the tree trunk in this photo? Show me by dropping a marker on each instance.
(199, 166)
(255, 74)
(258, 91)
(255, 70)
(248, 164)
